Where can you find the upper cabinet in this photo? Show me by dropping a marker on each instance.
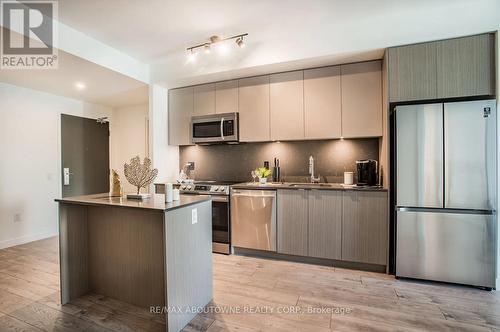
(362, 99)
(466, 66)
(254, 109)
(322, 103)
(287, 106)
(204, 99)
(180, 111)
(226, 97)
(412, 72)
(460, 67)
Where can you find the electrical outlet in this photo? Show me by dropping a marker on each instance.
(194, 216)
(17, 217)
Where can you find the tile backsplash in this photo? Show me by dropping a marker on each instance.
(235, 162)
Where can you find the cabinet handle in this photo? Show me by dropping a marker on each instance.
(222, 128)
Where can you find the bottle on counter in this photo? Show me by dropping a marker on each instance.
(276, 171)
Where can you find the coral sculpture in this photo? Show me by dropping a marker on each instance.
(140, 175)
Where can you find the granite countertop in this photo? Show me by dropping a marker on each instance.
(293, 185)
(156, 202)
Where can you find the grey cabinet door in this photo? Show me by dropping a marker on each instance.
(204, 99)
(325, 224)
(287, 106)
(364, 227)
(322, 103)
(293, 222)
(466, 66)
(362, 99)
(226, 97)
(254, 109)
(412, 72)
(180, 110)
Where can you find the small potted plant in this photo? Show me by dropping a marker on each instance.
(263, 173)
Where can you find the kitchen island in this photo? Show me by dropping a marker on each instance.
(147, 253)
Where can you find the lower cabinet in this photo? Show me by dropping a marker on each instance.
(292, 222)
(349, 225)
(364, 227)
(325, 224)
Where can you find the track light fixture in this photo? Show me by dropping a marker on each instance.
(212, 40)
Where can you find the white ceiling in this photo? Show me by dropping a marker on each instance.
(103, 86)
(283, 34)
(155, 29)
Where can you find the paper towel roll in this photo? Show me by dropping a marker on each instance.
(169, 195)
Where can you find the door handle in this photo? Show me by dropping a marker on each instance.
(222, 128)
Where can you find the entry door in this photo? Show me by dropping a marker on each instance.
(85, 156)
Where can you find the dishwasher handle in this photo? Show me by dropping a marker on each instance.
(245, 195)
(254, 193)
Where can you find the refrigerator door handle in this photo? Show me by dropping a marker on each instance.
(453, 211)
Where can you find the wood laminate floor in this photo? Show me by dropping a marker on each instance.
(250, 294)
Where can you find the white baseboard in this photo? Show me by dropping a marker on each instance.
(25, 239)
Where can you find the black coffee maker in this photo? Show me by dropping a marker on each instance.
(367, 172)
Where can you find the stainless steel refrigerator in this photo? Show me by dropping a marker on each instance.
(446, 188)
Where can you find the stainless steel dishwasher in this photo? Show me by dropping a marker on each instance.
(253, 219)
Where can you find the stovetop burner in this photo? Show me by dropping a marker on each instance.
(210, 187)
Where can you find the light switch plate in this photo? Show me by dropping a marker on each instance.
(194, 216)
(66, 176)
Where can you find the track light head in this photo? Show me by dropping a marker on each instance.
(192, 55)
(240, 42)
(206, 48)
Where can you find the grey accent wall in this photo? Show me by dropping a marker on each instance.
(235, 162)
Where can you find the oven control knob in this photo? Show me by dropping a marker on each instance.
(215, 188)
(183, 187)
(188, 187)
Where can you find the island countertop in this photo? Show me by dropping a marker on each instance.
(156, 202)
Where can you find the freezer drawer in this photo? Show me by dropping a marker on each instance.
(253, 219)
(419, 143)
(470, 155)
(450, 247)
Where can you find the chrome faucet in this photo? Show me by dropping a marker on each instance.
(311, 170)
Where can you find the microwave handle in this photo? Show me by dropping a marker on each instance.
(222, 128)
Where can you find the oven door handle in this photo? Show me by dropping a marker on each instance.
(220, 198)
(222, 128)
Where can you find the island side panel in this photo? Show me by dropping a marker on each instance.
(188, 261)
(73, 251)
(126, 255)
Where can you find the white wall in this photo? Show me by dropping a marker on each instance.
(164, 156)
(129, 138)
(30, 160)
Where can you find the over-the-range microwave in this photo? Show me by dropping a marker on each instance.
(215, 128)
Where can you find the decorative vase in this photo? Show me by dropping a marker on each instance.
(262, 180)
